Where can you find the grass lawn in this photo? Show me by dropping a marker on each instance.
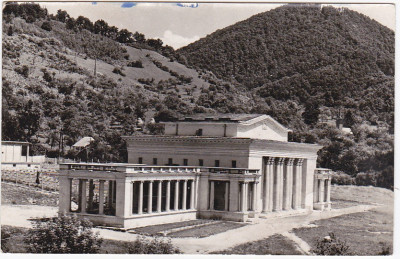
(154, 229)
(208, 230)
(366, 233)
(21, 195)
(274, 245)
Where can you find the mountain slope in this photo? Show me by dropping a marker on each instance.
(337, 57)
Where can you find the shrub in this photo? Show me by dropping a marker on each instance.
(341, 178)
(24, 70)
(154, 246)
(64, 234)
(46, 26)
(117, 70)
(331, 245)
(137, 64)
(5, 235)
(10, 31)
(366, 179)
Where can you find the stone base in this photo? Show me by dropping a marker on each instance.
(139, 220)
(283, 213)
(322, 206)
(225, 215)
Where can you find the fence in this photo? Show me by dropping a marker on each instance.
(45, 180)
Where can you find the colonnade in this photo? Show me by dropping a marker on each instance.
(282, 184)
(183, 196)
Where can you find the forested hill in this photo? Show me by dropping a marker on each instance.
(336, 57)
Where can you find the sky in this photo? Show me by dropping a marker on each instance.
(178, 25)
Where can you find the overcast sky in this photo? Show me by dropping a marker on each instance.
(178, 26)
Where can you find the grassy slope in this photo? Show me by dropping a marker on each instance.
(16, 194)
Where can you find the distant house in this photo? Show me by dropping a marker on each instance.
(15, 155)
(83, 142)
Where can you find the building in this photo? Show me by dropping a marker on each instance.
(15, 156)
(233, 167)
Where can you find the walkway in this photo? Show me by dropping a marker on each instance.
(18, 215)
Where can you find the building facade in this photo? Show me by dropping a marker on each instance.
(233, 167)
(15, 156)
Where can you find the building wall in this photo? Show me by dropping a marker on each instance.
(225, 152)
(12, 153)
(208, 128)
(262, 130)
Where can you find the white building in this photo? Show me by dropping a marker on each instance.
(234, 167)
(15, 156)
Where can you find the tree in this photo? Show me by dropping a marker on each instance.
(84, 23)
(62, 15)
(100, 27)
(124, 36)
(349, 119)
(10, 31)
(61, 235)
(311, 113)
(139, 37)
(29, 119)
(155, 43)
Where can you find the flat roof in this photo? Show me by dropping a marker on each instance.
(14, 142)
(220, 117)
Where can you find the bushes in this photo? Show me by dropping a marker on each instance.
(154, 246)
(118, 70)
(331, 245)
(65, 234)
(24, 70)
(46, 26)
(366, 179)
(341, 178)
(137, 64)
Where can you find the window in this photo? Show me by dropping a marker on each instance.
(29, 165)
(233, 163)
(216, 163)
(201, 162)
(185, 162)
(199, 132)
(14, 165)
(170, 161)
(140, 160)
(154, 161)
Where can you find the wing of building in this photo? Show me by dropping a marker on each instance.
(231, 166)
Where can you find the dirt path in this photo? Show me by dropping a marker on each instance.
(18, 215)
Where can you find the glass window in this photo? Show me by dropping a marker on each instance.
(233, 163)
(201, 162)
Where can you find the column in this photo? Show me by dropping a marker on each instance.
(101, 197)
(321, 189)
(244, 197)
(83, 196)
(211, 195)
(159, 196)
(226, 207)
(328, 193)
(150, 198)
(192, 193)
(167, 201)
(176, 201)
(297, 183)
(140, 205)
(196, 192)
(123, 197)
(27, 153)
(254, 201)
(184, 194)
(91, 194)
(110, 194)
(233, 195)
(268, 184)
(271, 176)
(278, 190)
(65, 194)
(288, 188)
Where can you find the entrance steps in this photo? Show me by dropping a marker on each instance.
(283, 213)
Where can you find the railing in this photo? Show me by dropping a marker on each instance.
(140, 168)
(322, 171)
(230, 170)
(39, 179)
